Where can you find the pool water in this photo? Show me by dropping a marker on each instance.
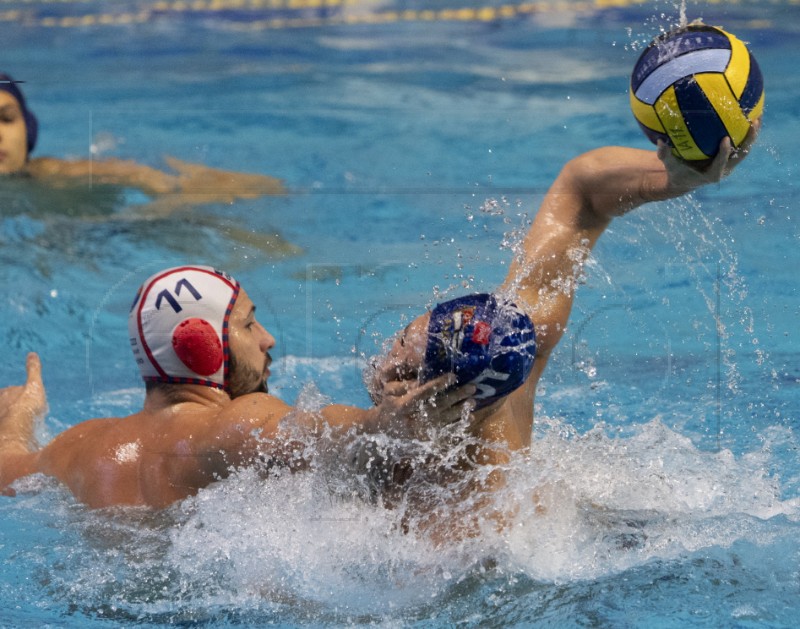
(415, 148)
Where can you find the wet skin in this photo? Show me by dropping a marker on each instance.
(13, 138)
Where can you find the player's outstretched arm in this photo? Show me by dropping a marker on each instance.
(590, 191)
(616, 180)
(190, 184)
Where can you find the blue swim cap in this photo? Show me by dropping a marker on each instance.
(484, 342)
(7, 84)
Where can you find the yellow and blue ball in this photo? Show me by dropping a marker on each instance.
(694, 86)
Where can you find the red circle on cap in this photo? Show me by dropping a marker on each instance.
(197, 345)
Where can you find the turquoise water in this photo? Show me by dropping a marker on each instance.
(415, 153)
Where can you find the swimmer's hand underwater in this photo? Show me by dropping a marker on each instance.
(190, 185)
(196, 184)
(221, 185)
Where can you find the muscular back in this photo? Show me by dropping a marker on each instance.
(144, 459)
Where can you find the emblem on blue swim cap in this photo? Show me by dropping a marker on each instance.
(7, 84)
(486, 342)
(178, 326)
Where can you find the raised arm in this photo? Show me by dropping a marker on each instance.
(589, 192)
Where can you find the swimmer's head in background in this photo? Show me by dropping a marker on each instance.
(7, 84)
(483, 341)
(178, 326)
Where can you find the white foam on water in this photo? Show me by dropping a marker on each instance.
(606, 504)
(578, 507)
(287, 539)
(315, 544)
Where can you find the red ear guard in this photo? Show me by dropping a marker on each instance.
(197, 345)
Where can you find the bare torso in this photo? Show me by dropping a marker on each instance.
(159, 455)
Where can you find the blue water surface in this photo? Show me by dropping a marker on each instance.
(415, 152)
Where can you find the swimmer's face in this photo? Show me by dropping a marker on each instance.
(249, 344)
(405, 358)
(13, 138)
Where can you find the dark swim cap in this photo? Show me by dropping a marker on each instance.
(7, 84)
(484, 342)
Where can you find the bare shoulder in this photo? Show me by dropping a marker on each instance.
(78, 444)
(89, 429)
(248, 429)
(255, 410)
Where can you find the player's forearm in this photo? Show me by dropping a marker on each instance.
(340, 416)
(112, 171)
(615, 180)
(129, 173)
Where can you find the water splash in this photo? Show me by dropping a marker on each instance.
(663, 499)
(319, 547)
(704, 245)
(682, 20)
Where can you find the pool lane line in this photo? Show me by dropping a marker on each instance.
(459, 14)
(224, 5)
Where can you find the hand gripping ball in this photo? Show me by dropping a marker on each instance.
(693, 86)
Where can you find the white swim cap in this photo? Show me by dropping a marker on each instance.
(178, 326)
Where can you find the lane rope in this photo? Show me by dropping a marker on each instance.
(25, 14)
